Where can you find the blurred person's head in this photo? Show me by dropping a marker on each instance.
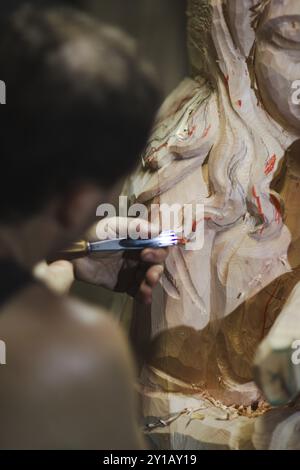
(80, 105)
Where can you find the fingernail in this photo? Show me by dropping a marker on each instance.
(156, 275)
(160, 270)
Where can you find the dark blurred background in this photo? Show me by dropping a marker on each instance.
(159, 26)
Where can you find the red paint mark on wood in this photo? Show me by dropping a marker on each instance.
(277, 206)
(206, 131)
(191, 131)
(156, 149)
(269, 167)
(258, 203)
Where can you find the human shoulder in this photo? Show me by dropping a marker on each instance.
(50, 322)
(69, 366)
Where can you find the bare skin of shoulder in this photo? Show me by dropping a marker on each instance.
(67, 381)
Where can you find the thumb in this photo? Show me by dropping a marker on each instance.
(58, 276)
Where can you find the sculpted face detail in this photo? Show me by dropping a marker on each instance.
(276, 44)
(277, 60)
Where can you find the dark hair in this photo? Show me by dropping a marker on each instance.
(80, 105)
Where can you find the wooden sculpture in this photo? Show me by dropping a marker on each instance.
(227, 138)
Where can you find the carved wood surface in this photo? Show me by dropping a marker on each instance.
(222, 139)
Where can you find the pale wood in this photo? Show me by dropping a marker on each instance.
(222, 138)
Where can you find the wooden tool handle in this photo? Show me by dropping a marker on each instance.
(75, 250)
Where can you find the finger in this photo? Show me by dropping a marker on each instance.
(59, 276)
(62, 276)
(153, 275)
(144, 294)
(61, 266)
(154, 256)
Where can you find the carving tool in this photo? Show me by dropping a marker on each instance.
(84, 248)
